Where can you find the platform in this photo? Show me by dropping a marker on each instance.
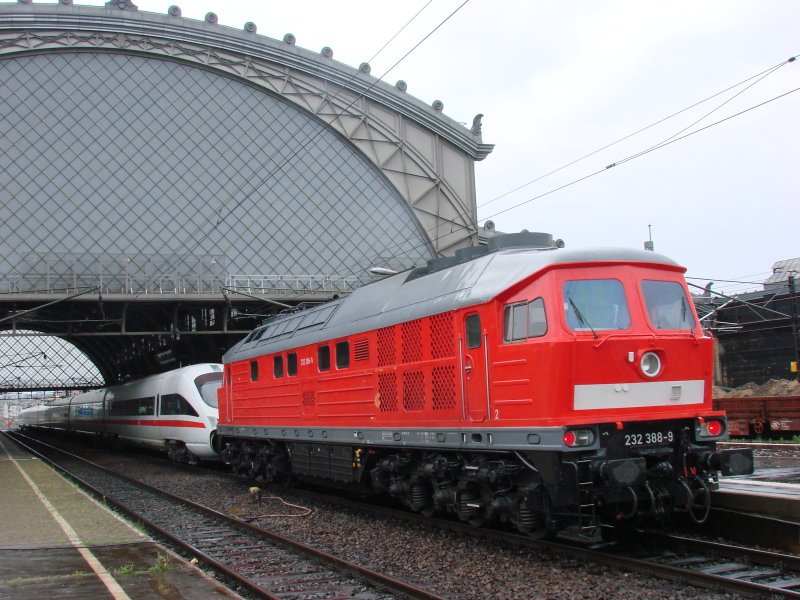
(775, 499)
(56, 541)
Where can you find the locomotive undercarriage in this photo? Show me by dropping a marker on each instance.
(581, 494)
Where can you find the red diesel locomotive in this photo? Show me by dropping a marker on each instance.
(558, 390)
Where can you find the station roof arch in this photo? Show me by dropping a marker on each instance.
(157, 155)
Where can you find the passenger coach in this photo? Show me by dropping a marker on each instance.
(174, 411)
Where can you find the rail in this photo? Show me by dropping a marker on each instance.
(236, 550)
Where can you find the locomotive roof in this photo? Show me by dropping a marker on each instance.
(405, 296)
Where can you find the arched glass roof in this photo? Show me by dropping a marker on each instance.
(142, 170)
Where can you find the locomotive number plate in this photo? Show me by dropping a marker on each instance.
(649, 438)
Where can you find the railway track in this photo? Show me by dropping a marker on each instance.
(700, 563)
(262, 563)
(717, 565)
(712, 565)
(706, 564)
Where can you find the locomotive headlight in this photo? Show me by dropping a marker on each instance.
(650, 364)
(577, 438)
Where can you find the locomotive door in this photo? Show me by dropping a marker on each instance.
(473, 368)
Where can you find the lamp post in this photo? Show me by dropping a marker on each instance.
(796, 362)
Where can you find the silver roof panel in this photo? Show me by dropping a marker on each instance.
(400, 298)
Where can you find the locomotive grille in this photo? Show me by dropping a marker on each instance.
(361, 350)
(387, 388)
(444, 388)
(386, 351)
(413, 391)
(308, 398)
(412, 341)
(442, 338)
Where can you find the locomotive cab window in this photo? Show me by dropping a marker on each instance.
(596, 304)
(253, 370)
(324, 358)
(473, 324)
(291, 363)
(277, 366)
(524, 320)
(342, 355)
(667, 305)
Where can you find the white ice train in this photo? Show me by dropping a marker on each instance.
(174, 411)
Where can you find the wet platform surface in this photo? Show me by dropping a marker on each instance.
(56, 542)
(773, 489)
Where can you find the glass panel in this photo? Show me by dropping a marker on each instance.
(324, 358)
(537, 320)
(342, 355)
(253, 370)
(175, 404)
(291, 363)
(507, 323)
(667, 305)
(277, 366)
(596, 304)
(207, 385)
(473, 331)
(519, 330)
(187, 133)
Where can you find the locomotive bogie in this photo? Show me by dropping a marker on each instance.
(555, 390)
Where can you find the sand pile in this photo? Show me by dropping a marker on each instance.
(773, 387)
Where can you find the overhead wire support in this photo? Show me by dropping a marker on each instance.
(34, 309)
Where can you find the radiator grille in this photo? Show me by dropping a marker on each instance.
(412, 341)
(442, 339)
(386, 351)
(413, 391)
(444, 388)
(387, 388)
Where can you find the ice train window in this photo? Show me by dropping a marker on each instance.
(667, 305)
(208, 384)
(175, 404)
(596, 304)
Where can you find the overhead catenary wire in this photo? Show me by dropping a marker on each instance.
(641, 153)
(309, 140)
(759, 76)
(631, 157)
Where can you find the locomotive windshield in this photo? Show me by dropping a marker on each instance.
(667, 305)
(596, 304)
(207, 385)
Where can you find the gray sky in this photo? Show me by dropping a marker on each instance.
(557, 80)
